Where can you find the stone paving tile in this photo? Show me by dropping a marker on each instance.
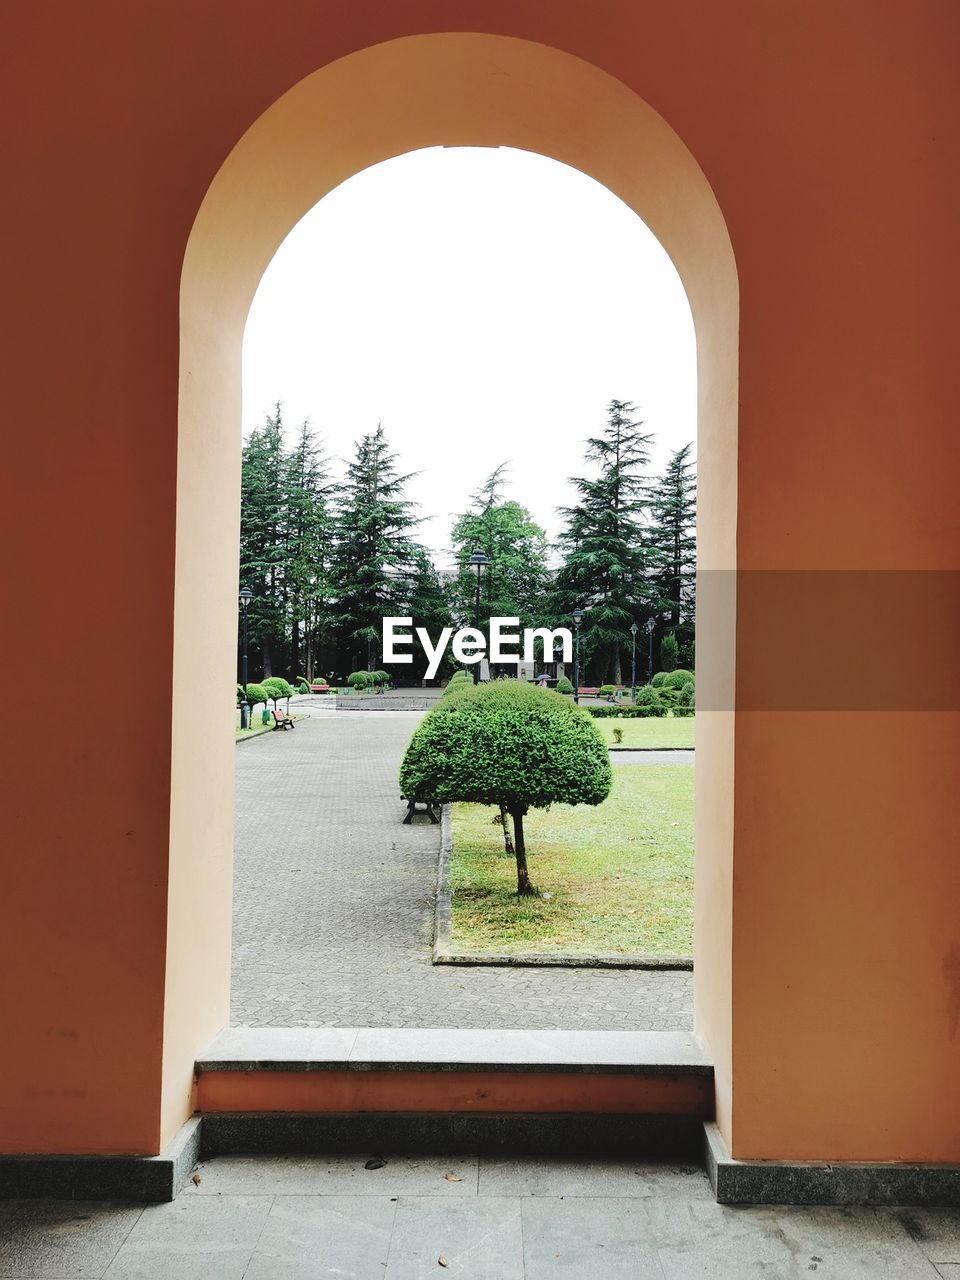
(338, 1175)
(935, 1231)
(333, 904)
(480, 1239)
(609, 1238)
(192, 1238)
(61, 1239)
(591, 1178)
(306, 1237)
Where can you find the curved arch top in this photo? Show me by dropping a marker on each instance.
(448, 89)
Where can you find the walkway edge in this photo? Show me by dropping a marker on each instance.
(444, 951)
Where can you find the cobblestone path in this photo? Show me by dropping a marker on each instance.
(333, 902)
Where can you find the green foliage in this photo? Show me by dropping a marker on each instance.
(564, 685)
(257, 693)
(686, 700)
(602, 542)
(659, 679)
(514, 584)
(642, 710)
(607, 690)
(241, 696)
(669, 651)
(381, 677)
(458, 681)
(677, 679)
(509, 743)
(302, 686)
(360, 679)
(276, 688)
(671, 543)
(649, 702)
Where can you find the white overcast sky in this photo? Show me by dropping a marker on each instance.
(486, 305)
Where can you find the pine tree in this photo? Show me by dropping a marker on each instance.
(604, 567)
(307, 550)
(376, 560)
(672, 542)
(262, 536)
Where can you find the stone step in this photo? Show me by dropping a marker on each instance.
(586, 1092)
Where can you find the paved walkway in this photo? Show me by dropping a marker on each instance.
(333, 903)
(293, 1217)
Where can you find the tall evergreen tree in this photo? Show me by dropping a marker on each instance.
(376, 558)
(309, 528)
(516, 579)
(672, 542)
(603, 569)
(262, 536)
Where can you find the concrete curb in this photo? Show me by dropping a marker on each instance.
(621, 748)
(258, 733)
(444, 951)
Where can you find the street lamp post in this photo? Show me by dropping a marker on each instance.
(478, 560)
(246, 595)
(577, 618)
(650, 626)
(633, 661)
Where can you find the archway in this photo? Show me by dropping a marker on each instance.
(450, 89)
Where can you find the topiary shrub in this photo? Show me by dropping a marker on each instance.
(607, 691)
(659, 679)
(686, 700)
(564, 685)
(677, 679)
(302, 686)
(257, 693)
(360, 679)
(381, 677)
(649, 702)
(459, 680)
(507, 743)
(276, 689)
(241, 696)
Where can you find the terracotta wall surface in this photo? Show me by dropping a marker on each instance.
(826, 132)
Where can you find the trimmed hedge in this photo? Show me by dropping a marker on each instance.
(648, 702)
(302, 686)
(381, 677)
(360, 679)
(606, 691)
(677, 679)
(564, 685)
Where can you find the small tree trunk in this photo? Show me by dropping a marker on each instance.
(524, 887)
(507, 833)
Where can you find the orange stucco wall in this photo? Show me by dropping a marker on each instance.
(829, 988)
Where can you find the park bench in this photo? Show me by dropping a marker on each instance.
(319, 686)
(282, 721)
(426, 806)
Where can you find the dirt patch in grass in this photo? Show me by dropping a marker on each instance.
(619, 875)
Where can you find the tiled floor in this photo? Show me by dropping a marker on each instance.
(299, 1218)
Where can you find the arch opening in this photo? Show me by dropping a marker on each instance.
(437, 90)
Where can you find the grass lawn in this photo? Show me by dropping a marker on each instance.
(619, 875)
(655, 731)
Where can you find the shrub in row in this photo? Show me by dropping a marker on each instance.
(564, 685)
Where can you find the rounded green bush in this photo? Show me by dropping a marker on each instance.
(677, 679)
(360, 679)
(659, 679)
(564, 685)
(381, 677)
(257, 693)
(649, 702)
(607, 690)
(241, 695)
(276, 688)
(302, 686)
(510, 743)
